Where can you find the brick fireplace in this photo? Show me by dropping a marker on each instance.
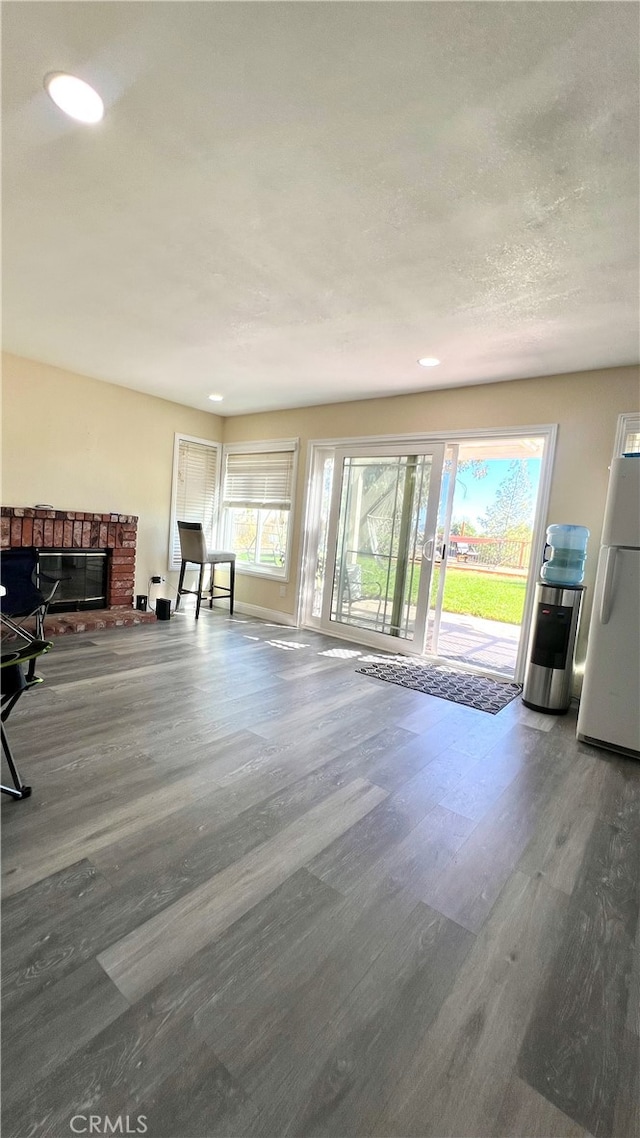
(65, 529)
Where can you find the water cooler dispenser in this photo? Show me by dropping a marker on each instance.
(556, 619)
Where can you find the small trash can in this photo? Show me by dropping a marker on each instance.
(163, 608)
(549, 676)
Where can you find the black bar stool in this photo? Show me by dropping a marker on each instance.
(193, 550)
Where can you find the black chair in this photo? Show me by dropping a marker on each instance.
(13, 683)
(22, 579)
(193, 551)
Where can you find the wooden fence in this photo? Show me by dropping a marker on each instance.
(512, 553)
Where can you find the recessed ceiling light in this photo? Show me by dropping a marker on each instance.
(75, 97)
(429, 361)
(216, 398)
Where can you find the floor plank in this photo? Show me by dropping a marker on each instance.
(456, 1079)
(573, 1047)
(51, 1027)
(146, 955)
(469, 888)
(526, 1114)
(352, 1064)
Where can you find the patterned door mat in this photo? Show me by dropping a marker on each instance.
(460, 687)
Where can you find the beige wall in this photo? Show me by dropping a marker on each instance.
(585, 406)
(81, 444)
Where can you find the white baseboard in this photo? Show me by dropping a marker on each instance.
(271, 615)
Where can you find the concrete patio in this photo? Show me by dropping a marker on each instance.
(463, 639)
(484, 643)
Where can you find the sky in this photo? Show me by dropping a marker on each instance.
(472, 495)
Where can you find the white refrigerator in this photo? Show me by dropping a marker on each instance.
(609, 713)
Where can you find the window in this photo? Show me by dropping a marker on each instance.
(257, 499)
(630, 431)
(194, 495)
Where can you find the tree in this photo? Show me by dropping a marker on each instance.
(478, 468)
(511, 513)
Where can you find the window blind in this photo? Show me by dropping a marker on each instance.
(259, 481)
(195, 499)
(631, 443)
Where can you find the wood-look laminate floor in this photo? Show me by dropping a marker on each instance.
(256, 893)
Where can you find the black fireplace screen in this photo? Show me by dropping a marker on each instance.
(82, 576)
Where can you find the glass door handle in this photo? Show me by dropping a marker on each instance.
(427, 549)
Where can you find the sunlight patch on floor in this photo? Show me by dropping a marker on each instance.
(340, 653)
(286, 645)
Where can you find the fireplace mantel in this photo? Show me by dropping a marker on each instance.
(72, 529)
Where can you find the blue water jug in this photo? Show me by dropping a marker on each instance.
(564, 565)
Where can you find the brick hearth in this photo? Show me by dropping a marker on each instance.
(64, 529)
(62, 622)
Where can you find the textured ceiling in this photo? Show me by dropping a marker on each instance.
(290, 203)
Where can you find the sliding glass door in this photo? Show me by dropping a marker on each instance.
(381, 543)
(433, 547)
(485, 538)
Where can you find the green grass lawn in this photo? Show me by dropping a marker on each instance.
(488, 595)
